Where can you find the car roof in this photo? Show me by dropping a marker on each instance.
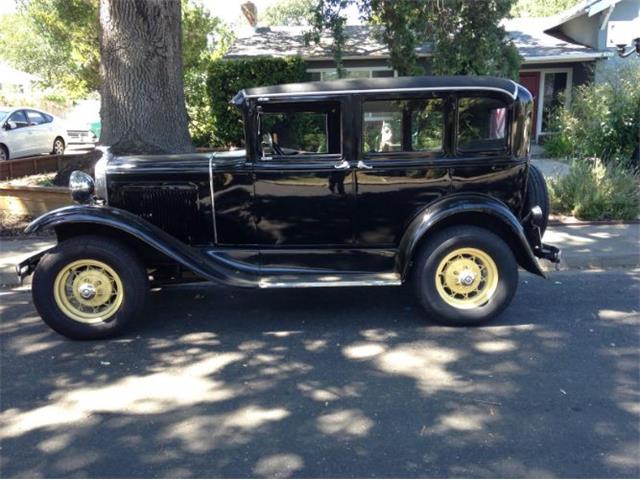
(379, 85)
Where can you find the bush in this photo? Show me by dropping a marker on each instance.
(595, 191)
(228, 77)
(603, 120)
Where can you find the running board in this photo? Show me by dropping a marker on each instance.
(331, 280)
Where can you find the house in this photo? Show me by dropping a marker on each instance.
(14, 82)
(557, 52)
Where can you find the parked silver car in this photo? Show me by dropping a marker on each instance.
(27, 131)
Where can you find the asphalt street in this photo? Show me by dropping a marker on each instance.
(331, 383)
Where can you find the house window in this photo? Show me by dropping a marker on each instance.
(553, 96)
(403, 126)
(326, 74)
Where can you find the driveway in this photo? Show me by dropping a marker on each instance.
(331, 383)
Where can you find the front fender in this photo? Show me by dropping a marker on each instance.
(473, 207)
(149, 234)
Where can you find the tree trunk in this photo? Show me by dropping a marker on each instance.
(143, 108)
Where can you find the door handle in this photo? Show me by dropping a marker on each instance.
(363, 166)
(342, 165)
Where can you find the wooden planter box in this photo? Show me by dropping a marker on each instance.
(33, 201)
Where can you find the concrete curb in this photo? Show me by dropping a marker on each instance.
(584, 246)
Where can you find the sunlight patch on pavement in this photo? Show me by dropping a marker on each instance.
(282, 465)
(138, 395)
(345, 423)
(358, 351)
(496, 346)
(206, 432)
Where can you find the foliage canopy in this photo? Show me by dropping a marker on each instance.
(228, 77)
(465, 37)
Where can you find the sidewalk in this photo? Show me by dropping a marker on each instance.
(583, 246)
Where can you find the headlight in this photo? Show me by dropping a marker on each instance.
(81, 186)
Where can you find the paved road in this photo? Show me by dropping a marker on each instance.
(331, 383)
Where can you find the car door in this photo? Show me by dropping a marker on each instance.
(304, 184)
(402, 164)
(40, 133)
(19, 136)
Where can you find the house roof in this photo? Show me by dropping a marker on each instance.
(586, 7)
(528, 34)
(377, 85)
(534, 44)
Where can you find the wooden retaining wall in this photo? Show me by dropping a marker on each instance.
(33, 201)
(21, 167)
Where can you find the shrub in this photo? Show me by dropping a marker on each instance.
(228, 77)
(603, 120)
(595, 191)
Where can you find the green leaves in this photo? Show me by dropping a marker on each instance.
(228, 77)
(465, 36)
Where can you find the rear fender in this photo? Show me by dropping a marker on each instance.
(467, 209)
(154, 237)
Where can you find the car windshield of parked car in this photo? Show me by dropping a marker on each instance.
(403, 125)
(481, 124)
(299, 129)
(3, 113)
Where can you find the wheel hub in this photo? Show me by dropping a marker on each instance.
(87, 291)
(466, 278)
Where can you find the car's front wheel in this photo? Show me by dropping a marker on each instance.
(89, 287)
(58, 146)
(4, 153)
(465, 275)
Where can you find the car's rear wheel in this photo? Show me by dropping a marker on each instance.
(89, 287)
(58, 146)
(4, 153)
(538, 194)
(465, 275)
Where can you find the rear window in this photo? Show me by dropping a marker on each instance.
(35, 118)
(482, 124)
(403, 125)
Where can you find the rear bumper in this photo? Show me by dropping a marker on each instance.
(531, 223)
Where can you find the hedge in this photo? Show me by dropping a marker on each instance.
(228, 77)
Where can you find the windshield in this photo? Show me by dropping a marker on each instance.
(3, 113)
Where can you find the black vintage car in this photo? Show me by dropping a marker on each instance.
(423, 181)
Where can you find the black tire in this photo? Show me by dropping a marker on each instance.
(438, 248)
(4, 153)
(537, 194)
(58, 146)
(121, 259)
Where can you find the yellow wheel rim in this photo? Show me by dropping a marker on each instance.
(88, 291)
(467, 278)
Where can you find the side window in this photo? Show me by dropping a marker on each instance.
(35, 118)
(299, 129)
(19, 118)
(482, 124)
(403, 126)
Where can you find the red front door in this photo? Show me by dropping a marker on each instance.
(531, 81)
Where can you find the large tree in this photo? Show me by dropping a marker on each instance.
(143, 108)
(289, 12)
(465, 36)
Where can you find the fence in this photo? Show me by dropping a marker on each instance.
(21, 167)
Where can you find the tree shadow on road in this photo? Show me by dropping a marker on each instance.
(331, 383)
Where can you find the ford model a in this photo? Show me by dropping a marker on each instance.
(423, 181)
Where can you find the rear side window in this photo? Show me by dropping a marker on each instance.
(19, 118)
(35, 118)
(482, 124)
(300, 129)
(403, 126)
